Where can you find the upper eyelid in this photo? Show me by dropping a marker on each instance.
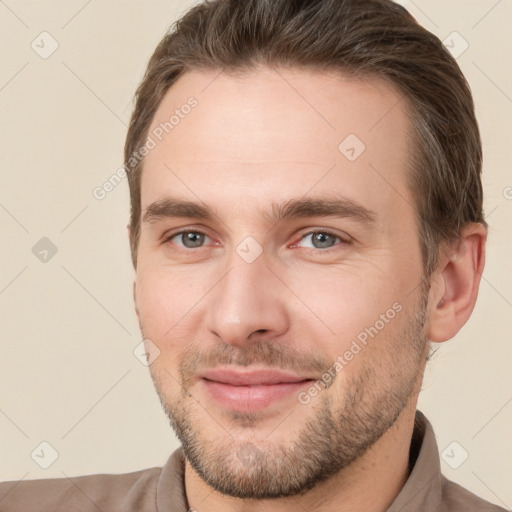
(171, 233)
(326, 231)
(167, 237)
(343, 239)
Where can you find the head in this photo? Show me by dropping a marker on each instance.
(315, 208)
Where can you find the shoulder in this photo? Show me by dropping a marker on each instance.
(106, 492)
(456, 498)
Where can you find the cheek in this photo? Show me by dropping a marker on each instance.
(154, 301)
(165, 299)
(344, 300)
(358, 315)
(166, 308)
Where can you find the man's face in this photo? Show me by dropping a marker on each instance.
(308, 263)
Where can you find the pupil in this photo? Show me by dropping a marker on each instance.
(321, 240)
(193, 239)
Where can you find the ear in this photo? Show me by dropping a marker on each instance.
(454, 285)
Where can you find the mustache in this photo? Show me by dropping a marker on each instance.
(261, 353)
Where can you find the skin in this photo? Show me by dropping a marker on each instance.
(273, 136)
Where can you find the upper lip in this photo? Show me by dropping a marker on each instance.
(251, 377)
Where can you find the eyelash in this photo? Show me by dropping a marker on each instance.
(342, 241)
(168, 238)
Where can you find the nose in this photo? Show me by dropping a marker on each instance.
(247, 304)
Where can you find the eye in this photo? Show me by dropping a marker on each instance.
(320, 240)
(188, 239)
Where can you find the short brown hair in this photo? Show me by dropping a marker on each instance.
(371, 38)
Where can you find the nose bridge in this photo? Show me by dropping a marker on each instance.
(246, 300)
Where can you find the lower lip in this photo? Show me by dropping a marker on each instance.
(252, 398)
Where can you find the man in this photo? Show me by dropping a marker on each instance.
(306, 219)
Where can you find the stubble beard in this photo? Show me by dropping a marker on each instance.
(332, 438)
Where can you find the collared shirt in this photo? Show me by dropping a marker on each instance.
(163, 489)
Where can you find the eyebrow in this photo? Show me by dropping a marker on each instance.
(322, 207)
(294, 208)
(170, 207)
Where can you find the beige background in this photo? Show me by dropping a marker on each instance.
(68, 374)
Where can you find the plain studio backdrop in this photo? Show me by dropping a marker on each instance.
(69, 377)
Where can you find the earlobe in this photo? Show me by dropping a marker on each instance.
(456, 283)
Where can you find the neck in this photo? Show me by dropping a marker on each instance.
(370, 484)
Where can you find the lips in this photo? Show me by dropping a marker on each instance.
(253, 377)
(250, 391)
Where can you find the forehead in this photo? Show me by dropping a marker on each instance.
(279, 133)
